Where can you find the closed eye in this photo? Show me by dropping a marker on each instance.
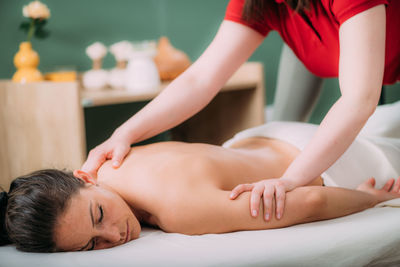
(93, 245)
(101, 213)
(93, 242)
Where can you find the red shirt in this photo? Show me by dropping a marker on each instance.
(318, 48)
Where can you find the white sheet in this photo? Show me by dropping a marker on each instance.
(368, 156)
(369, 238)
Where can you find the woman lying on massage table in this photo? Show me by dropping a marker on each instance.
(178, 187)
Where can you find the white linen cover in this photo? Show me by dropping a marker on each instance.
(368, 238)
(368, 156)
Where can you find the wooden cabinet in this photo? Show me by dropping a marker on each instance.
(42, 124)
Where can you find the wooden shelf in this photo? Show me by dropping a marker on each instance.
(246, 77)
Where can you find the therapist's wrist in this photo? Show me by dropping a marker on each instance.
(124, 134)
(288, 183)
(296, 179)
(291, 182)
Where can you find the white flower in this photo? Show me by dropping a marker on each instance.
(36, 10)
(25, 11)
(121, 50)
(96, 51)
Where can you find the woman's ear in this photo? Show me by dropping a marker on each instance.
(85, 177)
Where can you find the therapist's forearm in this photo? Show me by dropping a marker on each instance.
(335, 134)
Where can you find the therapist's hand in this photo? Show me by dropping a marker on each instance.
(115, 149)
(268, 190)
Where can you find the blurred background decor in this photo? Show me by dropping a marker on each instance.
(170, 61)
(190, 25)
(27, 60)
(96, 78)
(121, 51)
(141, 74)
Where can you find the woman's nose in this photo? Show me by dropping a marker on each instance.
(109, 237)
(112, 234)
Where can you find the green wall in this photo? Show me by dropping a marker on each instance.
(190, 25)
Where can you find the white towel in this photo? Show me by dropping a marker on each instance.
(370, 155)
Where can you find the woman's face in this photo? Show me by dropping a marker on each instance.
(96, 218)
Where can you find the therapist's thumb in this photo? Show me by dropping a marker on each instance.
(119, 156)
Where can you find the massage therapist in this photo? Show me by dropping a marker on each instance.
(357, 41)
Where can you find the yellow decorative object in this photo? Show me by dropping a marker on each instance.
(170, 61)
(26, 61)
(61, 76)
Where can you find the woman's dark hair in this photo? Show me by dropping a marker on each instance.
(254, 10)
(29, 212)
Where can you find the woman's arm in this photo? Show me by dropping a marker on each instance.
(361, 66)
(211, 211)
(185, 96)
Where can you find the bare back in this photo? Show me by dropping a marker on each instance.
(154, 173)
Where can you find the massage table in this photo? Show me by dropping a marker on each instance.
(368, 238)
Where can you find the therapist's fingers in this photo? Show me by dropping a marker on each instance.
(388, 185)
(255, 199)
(396, 186)
(240, 189)
(280, 196)
(372, 181)
(95, 159)
(119, 155)
(267, 198)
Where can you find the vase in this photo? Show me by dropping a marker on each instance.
(26, 61)
(170, 61)
(141, 74)
(96, 78)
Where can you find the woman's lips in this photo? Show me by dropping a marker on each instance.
(127, 232)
